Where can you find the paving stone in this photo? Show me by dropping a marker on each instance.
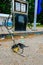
(8, 57)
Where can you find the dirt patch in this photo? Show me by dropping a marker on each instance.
(25, 36)
(4, 40)
(40, 49)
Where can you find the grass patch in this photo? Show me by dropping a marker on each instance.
(37, 25)
(30, 25)
(8, 36)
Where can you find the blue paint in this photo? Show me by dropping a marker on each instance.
(9, 23)
(39, 7)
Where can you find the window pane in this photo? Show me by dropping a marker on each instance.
(21, 19)
(17, 6)
(23, 8)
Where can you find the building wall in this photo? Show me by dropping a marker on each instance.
(3, 17)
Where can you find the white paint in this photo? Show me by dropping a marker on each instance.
(12, 5)
(5, 15)
(3, 18)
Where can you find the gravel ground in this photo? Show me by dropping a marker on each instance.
(33, 53)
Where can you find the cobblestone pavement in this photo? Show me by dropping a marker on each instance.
(33, 53)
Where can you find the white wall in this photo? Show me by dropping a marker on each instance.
(3, 17)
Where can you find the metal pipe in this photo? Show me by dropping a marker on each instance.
(35, 13)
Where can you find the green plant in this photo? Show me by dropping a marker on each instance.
(8, 36)
(31, 11)
(5, 6)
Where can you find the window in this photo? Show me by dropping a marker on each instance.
(23, 7)
(17, 6)
(20, 7)
(21, 19)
